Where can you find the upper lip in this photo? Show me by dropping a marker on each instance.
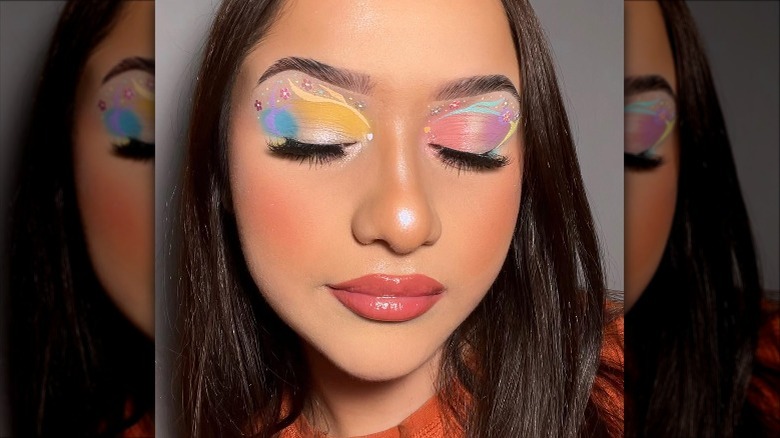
(383, 285)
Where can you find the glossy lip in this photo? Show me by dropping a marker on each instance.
(390, 298)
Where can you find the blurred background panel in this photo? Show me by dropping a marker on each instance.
(25, 30)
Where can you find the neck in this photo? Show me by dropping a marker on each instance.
(343, 405)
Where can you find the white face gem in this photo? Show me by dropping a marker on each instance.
(370, 136)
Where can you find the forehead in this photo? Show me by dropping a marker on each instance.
(398, 42)
(647, 49)
(131, 34)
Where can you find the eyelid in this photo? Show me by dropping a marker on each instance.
(309, 108)
(478, 125)
(126, 106)
(650, 118)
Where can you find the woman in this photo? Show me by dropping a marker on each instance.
(384, 231)
(81, 355)
(692, 282)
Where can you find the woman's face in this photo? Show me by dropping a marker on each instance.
(113, 150)
(651, 144)
(375, 172)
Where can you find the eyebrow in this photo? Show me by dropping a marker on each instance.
(476, 85)
(127, 64)
(640, 84)
(358, 82)
(361, 82)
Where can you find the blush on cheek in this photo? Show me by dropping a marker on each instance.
(481, 214)
(496, 219)
(650, 205)
(271, 217)
(117, 216)
(277, 220)
(115, 202)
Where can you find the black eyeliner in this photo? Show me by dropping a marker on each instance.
(134, 149)
(639, 162)
(313, 153)
(469, 161)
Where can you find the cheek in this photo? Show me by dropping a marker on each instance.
(480, 215)
(115, 199)
(271, 213)
(650, 204)
(282, 224)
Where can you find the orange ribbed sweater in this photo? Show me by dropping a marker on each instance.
(429, 421)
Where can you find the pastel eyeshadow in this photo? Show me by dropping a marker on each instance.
(122, 122)
(127, 106)
(647, 124)
(279, 122)
(477, 128)
(295, 106)
(469, 133)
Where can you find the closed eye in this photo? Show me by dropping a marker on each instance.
(469, 161)
(314, 154)
(135, 149)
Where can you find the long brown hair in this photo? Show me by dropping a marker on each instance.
(538, 331)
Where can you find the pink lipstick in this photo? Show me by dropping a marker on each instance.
(388, 297)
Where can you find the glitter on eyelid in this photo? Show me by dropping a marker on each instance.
(479, 127)
(310, 111)
(648, 123)
(126, 105)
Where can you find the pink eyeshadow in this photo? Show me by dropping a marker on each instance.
(469, 132)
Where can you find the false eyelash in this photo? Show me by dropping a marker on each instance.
(641, 162)
(315, 154)
(469, 161)
(135, 149)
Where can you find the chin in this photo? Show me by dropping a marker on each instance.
(394, 356)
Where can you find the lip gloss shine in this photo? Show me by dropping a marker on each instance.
(391, 298)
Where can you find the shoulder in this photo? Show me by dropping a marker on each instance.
(143, 428)
(764, 389)
(607, 392)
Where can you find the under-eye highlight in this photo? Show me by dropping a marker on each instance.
(126, 105)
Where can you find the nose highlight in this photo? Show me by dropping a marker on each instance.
(401, 217)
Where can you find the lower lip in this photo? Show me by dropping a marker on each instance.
(391, 309)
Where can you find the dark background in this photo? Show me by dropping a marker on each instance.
(743, 43)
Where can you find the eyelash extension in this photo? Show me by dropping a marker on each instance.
(469, 161)
(641, 162)
(315, 154)
(135, 150)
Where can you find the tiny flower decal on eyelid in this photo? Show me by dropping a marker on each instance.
(476, 125)
(506, 116)
(296, 106)
(126, 105)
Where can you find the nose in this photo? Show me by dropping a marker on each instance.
(397, 210)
